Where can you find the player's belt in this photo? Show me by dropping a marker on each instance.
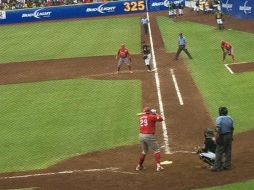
(227, 133)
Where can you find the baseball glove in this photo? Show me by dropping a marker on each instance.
(145, 57)
(197, 149)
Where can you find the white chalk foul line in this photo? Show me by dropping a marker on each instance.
(157, 80)
(176, 87)
(229, 69)
(183, 151)
(111, 169)
(243, 62)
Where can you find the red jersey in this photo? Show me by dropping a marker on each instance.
(123, 52)
(147, 123)
(226, 45)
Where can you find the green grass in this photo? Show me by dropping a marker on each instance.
(243, 185)
(65, 39)
(43, 123)
(218, 87)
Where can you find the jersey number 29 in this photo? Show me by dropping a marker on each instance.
(143, 122)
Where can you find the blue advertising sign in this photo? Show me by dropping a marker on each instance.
(158, 5)
(84, 10)
(240, 8)
(71, 11)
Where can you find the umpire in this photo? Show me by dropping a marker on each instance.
(182, 46)
(144, 21)
(224, 138)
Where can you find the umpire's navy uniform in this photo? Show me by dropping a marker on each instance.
(224, 126)
(182, 46)
(144, 21)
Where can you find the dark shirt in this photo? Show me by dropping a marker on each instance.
(146, 49)
(218, 16)
(173, 5)
(210, 145)
(181, 6)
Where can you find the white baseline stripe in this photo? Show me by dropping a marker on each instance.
(111, 169)
(228, 68)
(157, 80)
(176, 87)
(240, 63)
(184, 152)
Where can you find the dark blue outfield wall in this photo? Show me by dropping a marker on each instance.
(243, 9)
(81, 10)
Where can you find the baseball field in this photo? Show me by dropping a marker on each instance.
(69, 122)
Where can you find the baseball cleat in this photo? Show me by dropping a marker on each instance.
(131, 72)
(154, 69)
(139, 168)
(213, 169)
(159, 168)
(149, 71)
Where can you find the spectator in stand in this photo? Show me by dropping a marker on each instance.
(170, 9)
(174, 6)
(208, 8)
(19, 4)
(197, 6)
(193, 5)
(180, 8)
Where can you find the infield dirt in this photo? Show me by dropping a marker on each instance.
(185, 125)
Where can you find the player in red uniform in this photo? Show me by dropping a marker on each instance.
(227, 50)
(147, 125)
(124, 58)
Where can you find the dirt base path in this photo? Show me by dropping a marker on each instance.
(114, 169)
(242, 67)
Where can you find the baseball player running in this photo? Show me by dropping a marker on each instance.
(147, 56)
(123, 57)
(147, 124)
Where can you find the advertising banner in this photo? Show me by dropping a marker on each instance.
(240, 8)
(71, 11)
(83, 10)
(2, 15)
(158, 5)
